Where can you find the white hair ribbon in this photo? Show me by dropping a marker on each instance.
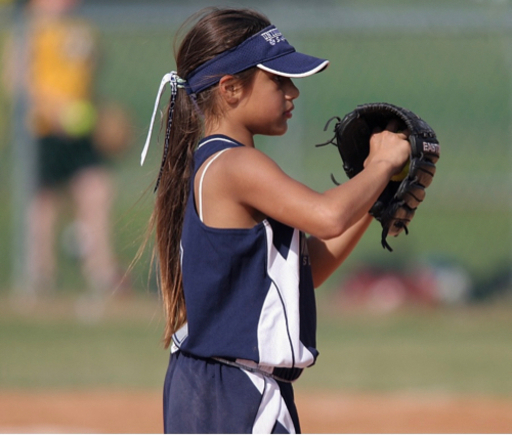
(176, 82)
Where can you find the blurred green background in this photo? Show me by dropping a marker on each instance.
(444, 322)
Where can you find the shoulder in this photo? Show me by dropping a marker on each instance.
(250, 176)
(247, 158)
(241, 168)
(246, 165)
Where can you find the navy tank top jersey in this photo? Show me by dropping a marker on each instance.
(249, 292)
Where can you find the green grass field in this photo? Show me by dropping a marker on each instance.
(457, 351)
(464, 350)
(48, 347)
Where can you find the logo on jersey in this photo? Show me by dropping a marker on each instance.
(304, 253)
(273, 36)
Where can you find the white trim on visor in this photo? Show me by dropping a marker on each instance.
(319, 68)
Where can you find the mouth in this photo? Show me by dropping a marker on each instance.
(288, 113)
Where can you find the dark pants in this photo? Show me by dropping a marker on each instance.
(205, 396)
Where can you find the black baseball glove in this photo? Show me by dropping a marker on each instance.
(396, 206)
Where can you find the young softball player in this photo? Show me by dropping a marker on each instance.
(237, 272)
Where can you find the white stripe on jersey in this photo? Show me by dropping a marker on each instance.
(279, 321)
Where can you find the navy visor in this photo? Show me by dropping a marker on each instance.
(267, 50)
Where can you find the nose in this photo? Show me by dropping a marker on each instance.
(291, 91)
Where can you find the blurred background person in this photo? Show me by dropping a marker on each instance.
(70, 139)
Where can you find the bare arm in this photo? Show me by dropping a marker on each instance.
(245, 180)
(250, 178)
(327, 255)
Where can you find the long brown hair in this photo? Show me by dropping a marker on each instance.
(215, 31)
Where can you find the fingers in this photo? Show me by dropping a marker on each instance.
(390, 145)
(404, 134)
(394, 127)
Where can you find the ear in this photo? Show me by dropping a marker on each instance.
(230, 89)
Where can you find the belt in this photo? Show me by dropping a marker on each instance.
(281, 374)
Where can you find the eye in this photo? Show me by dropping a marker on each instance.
(278, 79)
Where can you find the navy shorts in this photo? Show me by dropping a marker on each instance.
(60, 158)
(206, 396)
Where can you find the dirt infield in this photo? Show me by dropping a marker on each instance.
(102, 411)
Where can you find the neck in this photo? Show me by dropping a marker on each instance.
(236, 132)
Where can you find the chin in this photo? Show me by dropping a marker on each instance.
(280, 131)
(273, 131)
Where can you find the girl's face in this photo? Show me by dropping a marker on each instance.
(267, 104)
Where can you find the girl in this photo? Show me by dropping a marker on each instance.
(237, 272)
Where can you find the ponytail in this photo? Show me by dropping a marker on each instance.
(215, 31)
(171, 200)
